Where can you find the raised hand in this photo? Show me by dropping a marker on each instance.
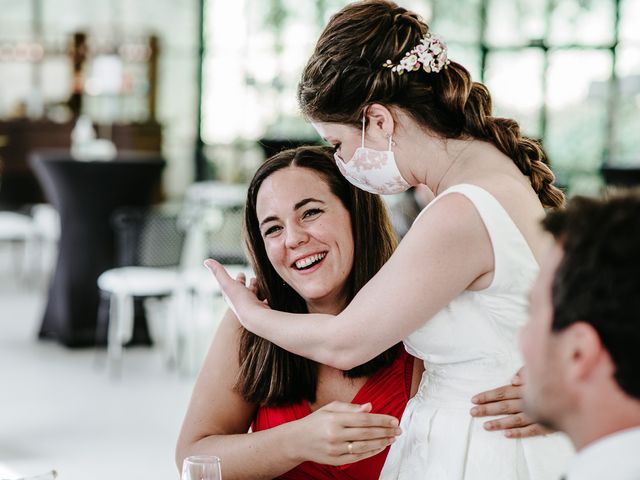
(240, 298)
(341, 433)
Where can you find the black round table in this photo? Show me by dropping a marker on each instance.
(86, 193)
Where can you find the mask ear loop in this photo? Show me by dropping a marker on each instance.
(391, 142)
(363, 124)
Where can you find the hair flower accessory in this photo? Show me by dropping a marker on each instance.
(429, 55)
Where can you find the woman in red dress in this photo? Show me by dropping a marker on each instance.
(311, 253)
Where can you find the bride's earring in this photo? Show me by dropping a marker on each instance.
(392, 142)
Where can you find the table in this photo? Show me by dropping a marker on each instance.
(621, 176)
(86, 193)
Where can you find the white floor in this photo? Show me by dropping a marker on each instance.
(60, 410)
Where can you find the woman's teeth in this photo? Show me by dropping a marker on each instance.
(308, 261)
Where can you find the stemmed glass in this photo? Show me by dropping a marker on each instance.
(201, 467)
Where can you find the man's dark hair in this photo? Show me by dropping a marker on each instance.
(598, 279)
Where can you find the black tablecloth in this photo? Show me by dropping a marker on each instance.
(85, 195)
(621, 176)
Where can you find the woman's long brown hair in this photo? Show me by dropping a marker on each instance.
(269, 375)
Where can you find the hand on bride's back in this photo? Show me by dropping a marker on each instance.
(507, 400)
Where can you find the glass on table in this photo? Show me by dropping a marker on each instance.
(201, 467)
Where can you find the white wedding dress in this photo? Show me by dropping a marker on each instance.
(469, 347)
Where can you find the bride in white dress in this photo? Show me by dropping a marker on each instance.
(441, 440)
(381, 89)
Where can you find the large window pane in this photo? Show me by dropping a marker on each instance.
(15, 20)
(456, 21)
(582, 22)
(515, 82)
(578, 89)
(15, 42)
(255, 53)
(515, 22)
(76, 13)
(576, 102)
(629, 20)
(224, 99)
(56, 67)
(626, 145)
(467, 56)
(15, 87)
(117, 33)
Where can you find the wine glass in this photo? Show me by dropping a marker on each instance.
(201, 467)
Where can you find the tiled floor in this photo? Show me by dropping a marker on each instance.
(59, 410)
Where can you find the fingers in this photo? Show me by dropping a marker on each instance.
(518, 420)
(516, 380)
(532, 430)
(226, 283)
(347, 457)
(352, 422)
(351, 415)
(368, 420)
(503, 407)
(337, 406)
(369, 433)
(350, 433)
(517, 426)
(497, 394)
(219, 272)
(253, 286)
(368, 447)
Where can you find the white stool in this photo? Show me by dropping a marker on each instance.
(123, 284)
(16, 228)
(197, 308)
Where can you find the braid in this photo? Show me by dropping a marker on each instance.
(505, 134)
(345, 74)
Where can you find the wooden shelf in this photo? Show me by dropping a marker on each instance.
(18, 138)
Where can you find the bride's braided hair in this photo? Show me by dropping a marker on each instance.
(346, 73)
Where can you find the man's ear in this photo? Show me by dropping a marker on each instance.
(582, 351)
(380, 120)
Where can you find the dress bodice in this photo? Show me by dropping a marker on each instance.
(477, 331)
(468, 347)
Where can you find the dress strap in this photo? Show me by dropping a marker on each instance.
(511, 251)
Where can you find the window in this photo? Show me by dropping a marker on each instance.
(567, 70)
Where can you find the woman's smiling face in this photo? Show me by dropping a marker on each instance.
(307, 235)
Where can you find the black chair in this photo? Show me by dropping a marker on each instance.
(147, 237)
(224, 243)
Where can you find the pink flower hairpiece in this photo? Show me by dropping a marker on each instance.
(430, 55)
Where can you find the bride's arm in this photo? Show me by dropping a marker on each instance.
(218, 419)
(443, 253)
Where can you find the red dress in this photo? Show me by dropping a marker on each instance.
(388, 390)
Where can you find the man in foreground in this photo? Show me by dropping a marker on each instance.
(582, 342)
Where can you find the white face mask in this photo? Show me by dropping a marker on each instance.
(373, 171)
